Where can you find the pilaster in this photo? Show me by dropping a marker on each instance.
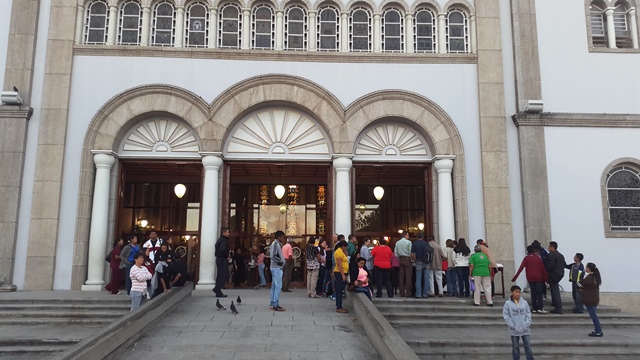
(342, 165)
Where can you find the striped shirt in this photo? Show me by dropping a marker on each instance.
(139, 277)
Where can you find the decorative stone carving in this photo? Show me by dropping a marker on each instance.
(162, 137)
(389, 141)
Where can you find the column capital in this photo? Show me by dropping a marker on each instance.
(441, 15)
(279, 12)
(212, 162)
(246, 11)
(376, 15)
(103, 159)
(179, 7)
(610, 10)
(113, 7)
(408, 14)
(313, 11)
(342, 162)
(443, 164)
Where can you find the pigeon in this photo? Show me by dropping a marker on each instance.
(219, 306)
(233, 309)
(238, 300)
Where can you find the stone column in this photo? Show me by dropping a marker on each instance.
(209, 230)
(79, 23)
(472, 33)
(377, 33)
(14, 122)
(344, 32)
(213, 29)
(611, 29)
(279, 29)
(146, 25)
(408, 27)
(311, 40)
(179, 27)
(633, 24)
(246, 29)
(104, 161)
(446, 217)
(342, 165)
(113, 24)
(442, 33)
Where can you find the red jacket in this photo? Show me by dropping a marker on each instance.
(535, 269)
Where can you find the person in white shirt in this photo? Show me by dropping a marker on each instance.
(154, 244)
(139, 276)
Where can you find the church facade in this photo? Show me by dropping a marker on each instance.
(508, 121)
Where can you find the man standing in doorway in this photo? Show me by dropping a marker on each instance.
(287, 252)
(352, 246)
(555, 266)
(403, 253)
(277, 262)
(422, 254)
(436, 267)
(222, 255)
(154, 244)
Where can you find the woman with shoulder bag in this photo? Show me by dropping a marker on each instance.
(590, 286)
(313, 267)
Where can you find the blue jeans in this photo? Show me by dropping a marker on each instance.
(329, 282)
(339, 289)
(263, 282)
(276, 286)
(536, 295)
(515, 347)
(127, 278)
(577, 297)
(422, 277)
(594, 317)
(452, 281)
(463, 280)
(364, 290)
(136, 299)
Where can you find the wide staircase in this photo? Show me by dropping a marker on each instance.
(34, 326)
(452, 328)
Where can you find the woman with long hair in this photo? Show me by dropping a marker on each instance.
(461, 260)
(590, 286)
(114, 264)
(139, 276)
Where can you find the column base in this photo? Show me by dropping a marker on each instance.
(205, 286)
(91, 287)
(8, 288)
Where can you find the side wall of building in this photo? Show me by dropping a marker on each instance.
(5, 19)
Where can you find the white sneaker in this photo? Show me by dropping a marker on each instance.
(542, 311)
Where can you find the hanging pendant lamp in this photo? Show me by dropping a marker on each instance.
(180, 189)
(378, 191)
(279, 190)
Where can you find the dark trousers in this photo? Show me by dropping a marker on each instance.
(221, 275)
(463, 280)
(288, 272)
(406, 269)
(577, 297)
(127, 278)
(116, 277)
(339, 288)
(320, 280)
(536, 294)
(383, 276)
(554, 286)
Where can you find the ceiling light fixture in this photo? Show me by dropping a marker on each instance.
(378, 191)
(180, 189)
(279, 189)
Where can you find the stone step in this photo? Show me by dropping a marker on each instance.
(556, 322)
(115, 299)
(125, 306)
(498, 301)
(37, 341)
(494, 316)
(33, 349)
(467, 307)
(55, 321)
(44, 314)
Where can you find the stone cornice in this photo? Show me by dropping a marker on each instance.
(578, 120)
(15, 112)
(273, 55)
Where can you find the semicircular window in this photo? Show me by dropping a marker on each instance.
(623, 198)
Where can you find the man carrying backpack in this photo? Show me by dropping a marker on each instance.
(436, 266)
(422, 254)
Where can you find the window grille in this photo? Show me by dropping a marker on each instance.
(424, 32)
(598, 25)
(230, 27)
(164, 20)
(360, 37)
(457, 32)
(392, 31)
(621, 25)
(96, 23)
(623, 198)
(196, 25)
(295, 29)
(328, 29)
(263, 23)
(130, 29)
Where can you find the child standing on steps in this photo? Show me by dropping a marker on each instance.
(517, 315)
(576, 273)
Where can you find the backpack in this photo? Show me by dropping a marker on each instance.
(429, 256)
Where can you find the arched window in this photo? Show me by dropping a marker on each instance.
(96, 23)
(623, 198)
(295, 28)
(457, 32)
(196, 25)
(598, 23)
(130, 23)
(392, 30)
(328, 29)
(263, 23)
(230, 27)
(164, 19)
(621, 25)
(360, 30)
(424, 31)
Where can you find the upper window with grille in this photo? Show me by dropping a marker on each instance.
(230, 26)
(425, 31)
(263, 24)
(130, 28)
(295, 28)
(196, 24)
(328, 29)
(598, 23)
(457, 32)
(96, 22)
(621, 26)
(360, 30)
(623, 198)
(392, 30)
(164, 20)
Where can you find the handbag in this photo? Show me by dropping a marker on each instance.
(108, 257)
(472, 284)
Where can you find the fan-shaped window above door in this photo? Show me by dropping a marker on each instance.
(160, 137)
(278, 133)
(390, 141)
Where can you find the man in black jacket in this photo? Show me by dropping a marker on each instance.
(555, 265)
(222, 255)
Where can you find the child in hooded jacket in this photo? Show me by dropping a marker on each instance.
(517, 315)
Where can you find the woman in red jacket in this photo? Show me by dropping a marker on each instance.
(382, 267)
(536, 276)
(117, 274)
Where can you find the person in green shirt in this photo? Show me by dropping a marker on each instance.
(481, 275)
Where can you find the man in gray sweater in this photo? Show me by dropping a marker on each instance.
(277, 262)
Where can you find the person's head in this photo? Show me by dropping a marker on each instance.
(170, 240)
(553, 246)
(334, 238)
(405, 234)
(323, 243)
(578, 257)
(516, 292)
(449, 243)
(164, 247)
(353, 239)
(383, 241)
(367, 241)
(153, 235)
(479, 242)
(120, 242)
(342, 245)
(593, 270)
(280, 235)
(139, 259)
(420, 236)
(431, 238)
(312, 240)
(477, 248)
(238, 251)
(224, 231)
(134, 240)
(340, 237)
(462, 242)
(530, 249)
(361, 262)
(289, 240)
(147, 251)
